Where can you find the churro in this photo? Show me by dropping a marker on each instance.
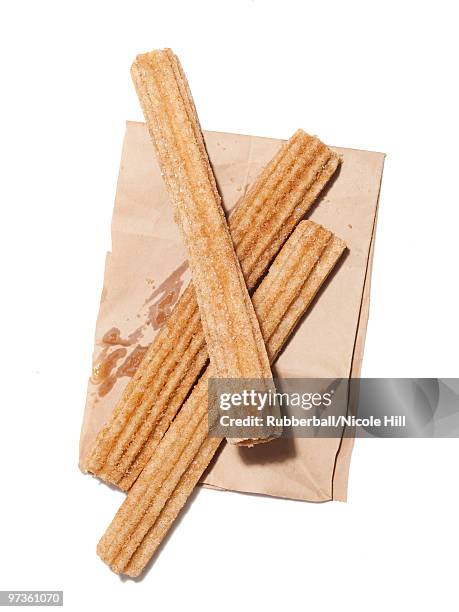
(259, 225)
(233, 337)
(168, 479)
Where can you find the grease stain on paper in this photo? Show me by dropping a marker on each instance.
(164, 298)
(155, 311)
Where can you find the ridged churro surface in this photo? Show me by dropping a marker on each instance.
(259, 225)
(169, 477)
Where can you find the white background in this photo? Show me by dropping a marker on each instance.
(372, 75)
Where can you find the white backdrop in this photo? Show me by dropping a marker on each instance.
(373, 75)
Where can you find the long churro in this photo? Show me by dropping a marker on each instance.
(259, 225)
(168, 479)
(233, 337)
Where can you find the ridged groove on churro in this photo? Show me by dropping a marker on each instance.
(171, 509)
(168, 479)
(273, 205)
(320, 272)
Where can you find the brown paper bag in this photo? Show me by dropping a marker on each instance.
(146, 272)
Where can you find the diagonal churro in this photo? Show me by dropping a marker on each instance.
(259, 225)
(173, 471)
(233, 337)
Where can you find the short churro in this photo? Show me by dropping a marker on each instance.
(259, 225)
(183, 454)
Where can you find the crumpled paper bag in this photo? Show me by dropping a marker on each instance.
(146, 272)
